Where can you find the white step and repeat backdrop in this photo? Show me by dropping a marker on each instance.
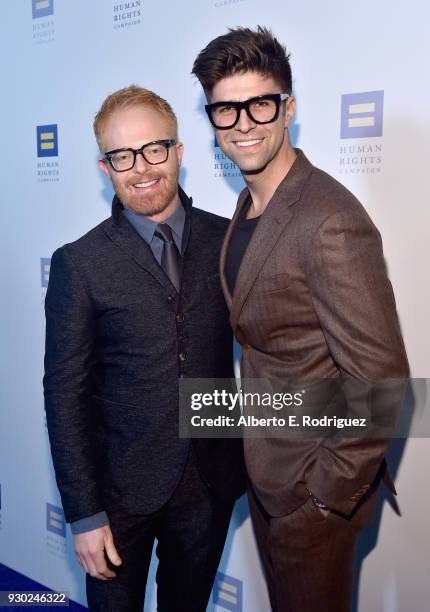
(59, 59)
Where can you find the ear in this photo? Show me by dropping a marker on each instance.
(103, 167)
(179, 151)
(290, 109)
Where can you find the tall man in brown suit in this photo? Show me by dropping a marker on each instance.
(303, 273)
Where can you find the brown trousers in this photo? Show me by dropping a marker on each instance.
(308, 558)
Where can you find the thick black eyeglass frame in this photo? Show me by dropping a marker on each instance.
(166, 142)
(277, 98)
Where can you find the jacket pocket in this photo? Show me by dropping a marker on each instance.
(270, 284)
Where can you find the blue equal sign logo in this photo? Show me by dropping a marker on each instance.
(45, 267)
(228, 592)
(362, 114)
(42, 8)
(47, 140)
(55, 520)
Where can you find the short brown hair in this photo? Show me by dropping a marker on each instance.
(133, 95)
(243, 50)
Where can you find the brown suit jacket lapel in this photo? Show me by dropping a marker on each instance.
(243, 197)
(276, 216)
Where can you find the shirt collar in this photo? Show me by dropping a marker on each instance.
(146, 227)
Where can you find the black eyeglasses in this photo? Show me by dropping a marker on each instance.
(155, 152)
(261, 109)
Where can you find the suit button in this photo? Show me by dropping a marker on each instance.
(180, 318)
(170, 299)
(182, 356)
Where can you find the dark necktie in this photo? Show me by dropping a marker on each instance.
(170, 258)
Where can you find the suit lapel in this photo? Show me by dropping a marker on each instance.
(243, 197)
(273, 221)
(125, 237)
(197, 257)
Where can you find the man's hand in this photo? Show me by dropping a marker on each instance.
(90, 548)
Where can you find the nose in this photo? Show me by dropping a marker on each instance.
(244, 123)
(140, 165)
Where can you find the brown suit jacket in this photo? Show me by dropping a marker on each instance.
(312, 300)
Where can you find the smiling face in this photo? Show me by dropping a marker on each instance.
(149, 190)
(254, 148)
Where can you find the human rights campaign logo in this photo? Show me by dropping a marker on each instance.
(42, 8)
(55, 520)
(47, 140)
(45, 267)
(362, 114)
(223, 166)
(228, 593)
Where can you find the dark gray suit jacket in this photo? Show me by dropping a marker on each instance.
(313, 301)
(118, 337)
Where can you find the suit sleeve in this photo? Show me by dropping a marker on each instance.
(355, 305)
(89, 523)
(70, 333)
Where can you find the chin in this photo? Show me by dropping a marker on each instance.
(148, 210)
(155, 207)
(252, 168)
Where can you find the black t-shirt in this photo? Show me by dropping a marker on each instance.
(240, 239)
